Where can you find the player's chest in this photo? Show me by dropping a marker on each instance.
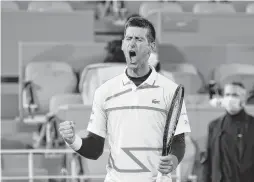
(134, 98)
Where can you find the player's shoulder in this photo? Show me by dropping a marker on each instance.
(110, 85)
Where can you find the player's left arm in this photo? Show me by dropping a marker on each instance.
(178, 144)
(169, 163)
(178, 149)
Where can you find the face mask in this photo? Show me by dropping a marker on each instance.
(232, 104)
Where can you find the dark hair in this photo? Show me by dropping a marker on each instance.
(132, 16)
(142, 23)
(239, 84)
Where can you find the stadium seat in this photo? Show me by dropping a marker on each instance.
(49, 129)
(49, 78)
(213, 7)
(243, 54)
(45, 80)
(9, 6)
(227, 73)
(60, 100)
(54, 6)
(149, 7)
(80, 114)
(250, 8)
(95, 75)
(185, 74)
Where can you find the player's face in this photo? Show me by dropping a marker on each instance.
(136, 47)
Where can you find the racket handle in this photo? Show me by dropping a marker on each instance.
(163, 178)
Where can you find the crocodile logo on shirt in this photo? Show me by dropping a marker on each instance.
(154, 101)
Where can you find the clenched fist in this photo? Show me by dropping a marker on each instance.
(67, 131)
(167, 164)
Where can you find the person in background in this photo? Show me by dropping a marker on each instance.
(229, 155)
(114, 52)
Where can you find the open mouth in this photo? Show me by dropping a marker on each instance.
(132, 54)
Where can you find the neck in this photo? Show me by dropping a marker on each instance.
(139, 72)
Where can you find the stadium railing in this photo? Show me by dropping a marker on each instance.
(31, 177)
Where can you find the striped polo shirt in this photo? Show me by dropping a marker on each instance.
(133, 119)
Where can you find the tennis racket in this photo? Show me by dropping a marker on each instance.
(170, 126)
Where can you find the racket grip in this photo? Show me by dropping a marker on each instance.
(162, 178)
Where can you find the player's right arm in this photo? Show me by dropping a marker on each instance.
(92, 145)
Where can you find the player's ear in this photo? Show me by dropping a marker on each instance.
(152, 47)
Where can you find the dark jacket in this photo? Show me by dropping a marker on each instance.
(211, 169)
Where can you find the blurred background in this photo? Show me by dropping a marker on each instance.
(56, 53)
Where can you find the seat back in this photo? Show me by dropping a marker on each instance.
(95, 75)
(79, 113)
(61, 100)
(50, 78)
(243, 54)
(187, 75)
(227, 73)
(213, 7)
(49, 6)
(9, 6)
(148, 8)
(250, 8)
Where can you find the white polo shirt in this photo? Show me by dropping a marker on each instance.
(133, 120)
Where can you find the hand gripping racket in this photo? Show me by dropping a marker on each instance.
(170, 126)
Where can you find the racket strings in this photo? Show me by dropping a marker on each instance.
(172, 120)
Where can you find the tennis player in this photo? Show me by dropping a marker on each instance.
(131, 110)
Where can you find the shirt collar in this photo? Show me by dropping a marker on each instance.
(149, 81)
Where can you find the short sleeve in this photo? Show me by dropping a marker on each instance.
(98, 118)
(183, 125)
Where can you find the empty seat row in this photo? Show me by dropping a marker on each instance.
(148, 8)
(50, 79)
(145, 8)
(38, 6)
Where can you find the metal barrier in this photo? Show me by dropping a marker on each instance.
(31, 177)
